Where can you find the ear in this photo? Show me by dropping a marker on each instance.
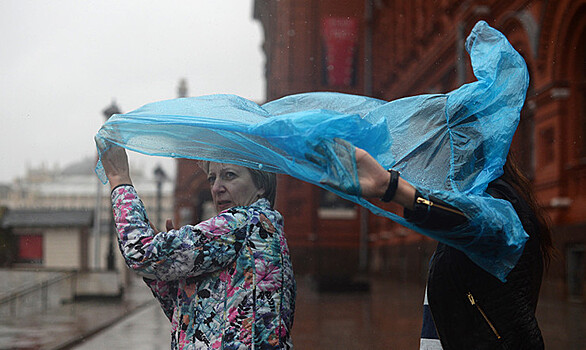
(260, 192)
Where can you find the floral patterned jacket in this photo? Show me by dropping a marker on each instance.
(226, 283)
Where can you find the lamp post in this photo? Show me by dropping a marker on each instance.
(108, 112)
(160, 177)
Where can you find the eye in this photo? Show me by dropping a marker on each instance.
(229, 175)
(211, 179)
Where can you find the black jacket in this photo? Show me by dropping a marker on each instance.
(471, 308)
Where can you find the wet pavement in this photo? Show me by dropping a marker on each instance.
(65, 325)
(147, 328)
(386, 317)
(562, 323)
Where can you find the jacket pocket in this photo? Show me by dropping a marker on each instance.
(483, 314)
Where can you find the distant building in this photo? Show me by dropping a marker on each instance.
(50, 238)
(42, 205)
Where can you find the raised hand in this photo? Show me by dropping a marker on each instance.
(115, 162)
(373, 178)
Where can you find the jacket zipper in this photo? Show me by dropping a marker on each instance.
(429, 203)
(473, 303)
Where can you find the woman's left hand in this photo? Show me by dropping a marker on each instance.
(115, 162)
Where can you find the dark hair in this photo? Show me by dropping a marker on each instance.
(515, 177)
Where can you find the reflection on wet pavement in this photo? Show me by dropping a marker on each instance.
(386, 317)
(145, 329)
(60, 326)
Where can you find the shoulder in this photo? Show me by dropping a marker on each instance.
(260, 207)
(263, 207)
(501, 189)
(246, 214)
(262, 215)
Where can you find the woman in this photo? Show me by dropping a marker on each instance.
(226, 283)
(470, 308)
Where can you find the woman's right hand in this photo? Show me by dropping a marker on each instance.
(115, 162)
(373, 178)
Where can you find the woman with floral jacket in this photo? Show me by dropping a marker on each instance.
(225, 283)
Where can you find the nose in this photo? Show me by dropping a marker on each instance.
(218, 186)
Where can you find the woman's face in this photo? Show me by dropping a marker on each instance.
(231, 186)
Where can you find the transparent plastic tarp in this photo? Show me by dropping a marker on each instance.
(451, 145)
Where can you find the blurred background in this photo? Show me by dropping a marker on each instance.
(67, 66)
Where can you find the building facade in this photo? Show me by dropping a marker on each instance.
(48, 238)
(393, 49)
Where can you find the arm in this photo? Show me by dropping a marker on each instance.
(115, 163)
(187, 252)
(374, 180)
(164, 291)
(431, 213)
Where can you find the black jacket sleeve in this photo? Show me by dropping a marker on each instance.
(433, 213)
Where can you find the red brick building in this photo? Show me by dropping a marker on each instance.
(392, 49)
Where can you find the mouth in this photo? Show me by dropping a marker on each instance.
(223, 205)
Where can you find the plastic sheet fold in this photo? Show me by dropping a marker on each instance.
(450, 145)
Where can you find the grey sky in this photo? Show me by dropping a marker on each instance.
(62, 62)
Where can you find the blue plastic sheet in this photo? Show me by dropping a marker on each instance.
(450, 145)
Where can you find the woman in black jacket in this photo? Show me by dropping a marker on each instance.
(470, 308)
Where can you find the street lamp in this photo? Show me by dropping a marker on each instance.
(111, 110)
(108, 112)
(160, 177)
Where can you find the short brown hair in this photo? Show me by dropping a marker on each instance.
(266, 181)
